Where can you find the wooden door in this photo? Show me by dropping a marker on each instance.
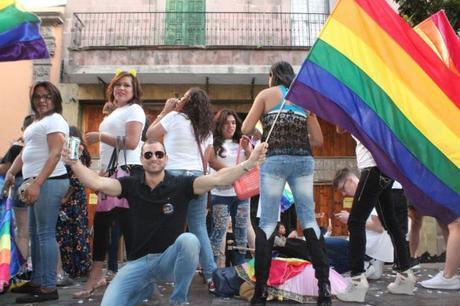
(91, 118)
(335, 144)
(327, 204)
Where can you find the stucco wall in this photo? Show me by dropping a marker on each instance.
(15, 82)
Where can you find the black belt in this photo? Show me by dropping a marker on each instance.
(59, 177)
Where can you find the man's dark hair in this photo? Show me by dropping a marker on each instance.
(152, 141)
(28, 121)
(340, 176)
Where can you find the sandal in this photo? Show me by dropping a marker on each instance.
(87, 293)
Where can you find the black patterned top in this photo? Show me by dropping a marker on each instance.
(290, 134)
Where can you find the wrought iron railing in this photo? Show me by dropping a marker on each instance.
(203, 29)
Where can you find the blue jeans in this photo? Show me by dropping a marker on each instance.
(42, 232)
(136, 280)
(298, 172)
(238, 210)
(196, 221)
(337, 252)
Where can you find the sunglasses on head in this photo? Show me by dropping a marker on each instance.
(158, 154)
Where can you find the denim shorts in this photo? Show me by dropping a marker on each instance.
(17, 203)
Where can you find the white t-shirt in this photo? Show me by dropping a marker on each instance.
(230, 153)
(364, 158)
(115, 125)
(36, 151)
(180, 143)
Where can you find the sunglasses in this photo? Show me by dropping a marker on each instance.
(158, 154)
(37, 97)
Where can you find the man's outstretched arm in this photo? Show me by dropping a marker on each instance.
(227, 176)
(89, 178)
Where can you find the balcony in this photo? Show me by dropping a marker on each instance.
(218, 30)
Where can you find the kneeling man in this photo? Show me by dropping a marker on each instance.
(159, 249)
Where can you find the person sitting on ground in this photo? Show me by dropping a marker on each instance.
(160, 251)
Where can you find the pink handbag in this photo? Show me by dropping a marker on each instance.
(107, 203)
(247, 185)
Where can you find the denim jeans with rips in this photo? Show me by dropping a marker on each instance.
(136, 280)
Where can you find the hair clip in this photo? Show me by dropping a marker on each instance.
(132, 72)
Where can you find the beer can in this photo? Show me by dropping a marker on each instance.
(73, 144)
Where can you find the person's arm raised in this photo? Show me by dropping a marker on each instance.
(228, 175)
(91, 179)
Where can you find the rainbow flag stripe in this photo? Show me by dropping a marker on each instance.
(371, 73)
(437, 32)
(20, 37)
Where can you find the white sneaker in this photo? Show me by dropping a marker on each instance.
(440, 282)
(374, 269)
(356, 291)
(403, 284)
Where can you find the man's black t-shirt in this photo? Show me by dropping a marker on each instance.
(156, 216)
(11, 155)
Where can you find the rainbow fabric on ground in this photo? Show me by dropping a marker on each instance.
(20, 37)
(372, 74)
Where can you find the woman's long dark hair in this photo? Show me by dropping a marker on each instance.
(197, 107)
(218, 122)
(85, 156)
(282, 74)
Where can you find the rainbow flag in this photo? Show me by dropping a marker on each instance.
(437, 32)
(20, 37)
(372, 74)
(10, 257)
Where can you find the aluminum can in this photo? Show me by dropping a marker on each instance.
(73, 144)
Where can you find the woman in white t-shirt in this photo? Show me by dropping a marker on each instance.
(184, 123)
(40, 160)
(225, 203)
(125, 122)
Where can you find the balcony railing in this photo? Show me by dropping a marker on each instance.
(195, 29)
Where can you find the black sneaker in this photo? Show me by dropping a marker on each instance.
(26, 288)
(38, 296)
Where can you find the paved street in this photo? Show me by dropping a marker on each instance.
(377, 294)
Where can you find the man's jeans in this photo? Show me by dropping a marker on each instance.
(196, 221)
(136, 281)
(374, 189)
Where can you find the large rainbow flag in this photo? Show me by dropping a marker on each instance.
(20, 37)
(372, 74)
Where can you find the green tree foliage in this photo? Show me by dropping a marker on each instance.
(415, 11)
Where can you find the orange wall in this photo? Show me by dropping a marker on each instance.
(15, 82)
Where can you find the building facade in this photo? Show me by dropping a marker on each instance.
(224, 47)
